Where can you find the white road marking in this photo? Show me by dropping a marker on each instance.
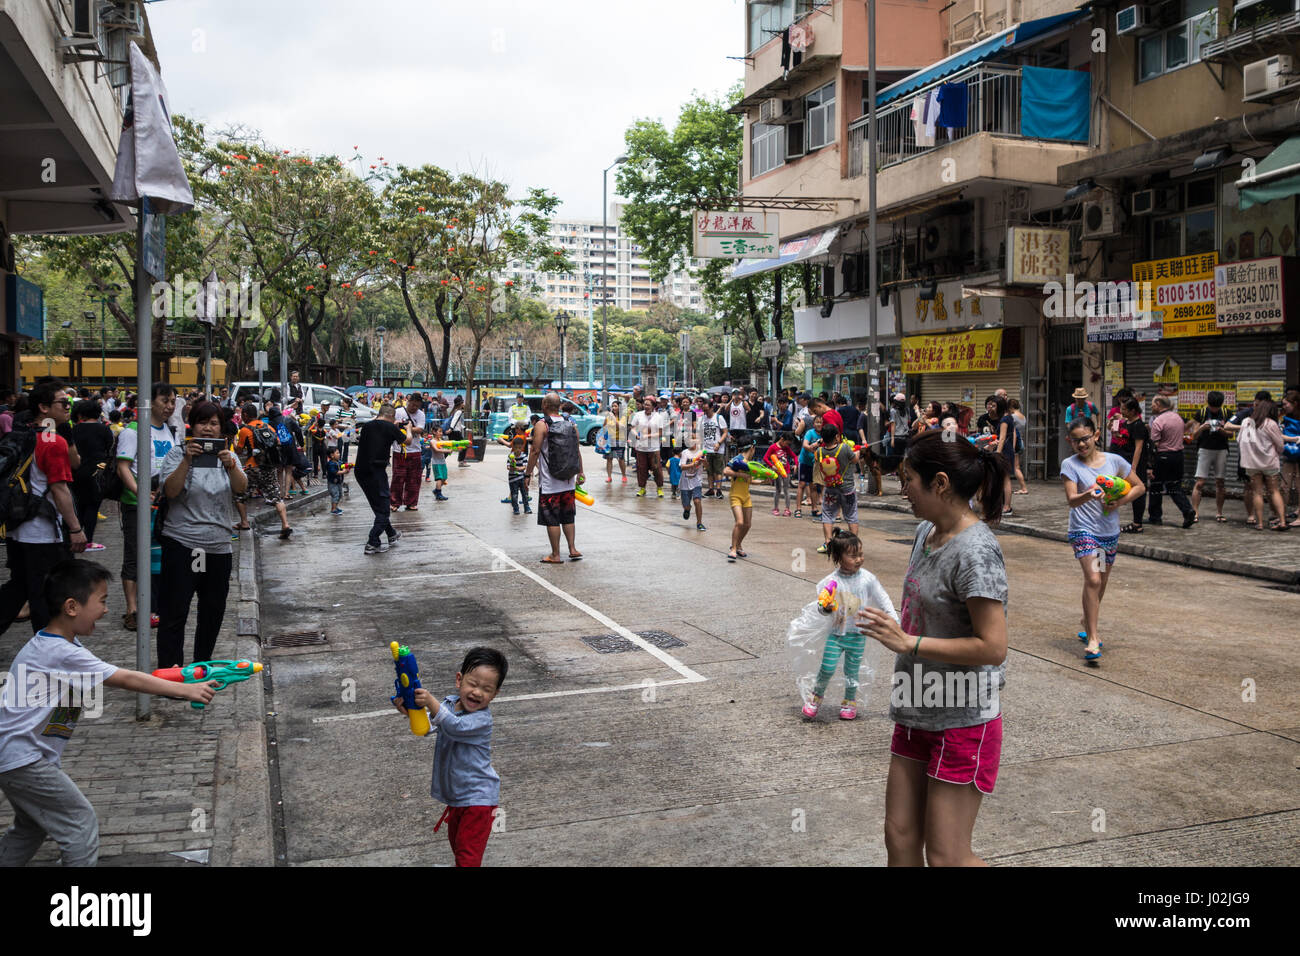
(392, 711)
(656, 652)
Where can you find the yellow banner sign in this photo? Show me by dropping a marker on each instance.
(979, 350)
(1182, 290)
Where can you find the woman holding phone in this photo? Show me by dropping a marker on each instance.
(199, 480)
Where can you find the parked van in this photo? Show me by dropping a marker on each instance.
(313, 396)
(588, 426)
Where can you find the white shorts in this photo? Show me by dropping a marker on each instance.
(1211, 463)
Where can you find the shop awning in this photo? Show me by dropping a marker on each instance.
(1276, 176)
(796, 250)
(977, 53)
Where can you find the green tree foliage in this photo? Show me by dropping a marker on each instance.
(669, 173)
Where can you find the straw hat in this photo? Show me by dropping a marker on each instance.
(1081, 394)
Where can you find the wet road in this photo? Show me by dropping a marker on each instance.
(650, 715)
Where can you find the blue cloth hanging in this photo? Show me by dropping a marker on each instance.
(952, 105)
(1054, 103)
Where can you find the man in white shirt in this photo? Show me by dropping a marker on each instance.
(405, 488)
(713, 442)
(647, 437)
(736, 413)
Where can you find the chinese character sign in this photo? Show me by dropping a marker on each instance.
(1183, 293)
(1250, 295)
(736, 235)
(1035, 256)
(979, 350)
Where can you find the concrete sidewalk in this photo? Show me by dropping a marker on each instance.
(1232, 547)
(184, 787)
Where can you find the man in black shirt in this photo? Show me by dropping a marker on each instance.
(377, 439)
(1211, 452)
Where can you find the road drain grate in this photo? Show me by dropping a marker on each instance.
(299, 639)
(617, 644)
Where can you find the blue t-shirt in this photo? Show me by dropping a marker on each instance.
(1089, 517)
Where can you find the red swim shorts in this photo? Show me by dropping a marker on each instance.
(958, 755)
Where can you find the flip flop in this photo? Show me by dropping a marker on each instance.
(1096, 656)
(742, 554)
(575, 557)
(549, 560)
(731, 558)
(1221, 519)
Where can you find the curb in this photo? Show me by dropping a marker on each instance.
(242, 812)
(1167, 555)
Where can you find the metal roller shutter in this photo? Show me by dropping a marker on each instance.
(1217, 359)
(948, 387)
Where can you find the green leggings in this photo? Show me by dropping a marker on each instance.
(852, 646)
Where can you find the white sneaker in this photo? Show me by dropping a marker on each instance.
(371, 549)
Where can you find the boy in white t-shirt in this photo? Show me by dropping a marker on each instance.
(53, 678)
(691, 483)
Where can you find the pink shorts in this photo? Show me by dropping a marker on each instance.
(959, 755)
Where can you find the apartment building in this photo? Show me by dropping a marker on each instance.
(62, 80)
(1071, 144)
(604, 257)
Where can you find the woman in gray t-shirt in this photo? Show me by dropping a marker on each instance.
(951, 644)
(195, 535)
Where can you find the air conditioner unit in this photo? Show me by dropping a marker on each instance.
(1100, 218)
(1142, 202)
(769, 111)
(85, 18)
(1135, 21)
(793, 111)
(1264, 78)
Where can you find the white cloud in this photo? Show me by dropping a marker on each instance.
(538, 93)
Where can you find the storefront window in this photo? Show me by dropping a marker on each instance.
(1167, 237)
(1200, 232)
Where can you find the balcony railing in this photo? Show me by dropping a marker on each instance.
(992, 106)
(1270, 36)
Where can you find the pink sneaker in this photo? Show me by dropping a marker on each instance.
(777, 512)
(625, 479)
(848, 711)
(609, 479)
(810, 709)
(786, 512)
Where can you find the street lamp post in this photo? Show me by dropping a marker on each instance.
(112, 291)
(562, 326)
(604, 281)
(380, 332)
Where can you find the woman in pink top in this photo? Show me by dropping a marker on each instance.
(1259, 443)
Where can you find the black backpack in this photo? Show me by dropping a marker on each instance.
(17, 503)
(107, 480)
(563, 458)
(267, 445)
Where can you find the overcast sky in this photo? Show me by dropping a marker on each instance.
(535, 93)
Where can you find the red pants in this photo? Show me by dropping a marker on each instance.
(405, 487)
(468, 829)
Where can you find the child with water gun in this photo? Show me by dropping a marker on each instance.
(780, 458)
(516, 467)
(840, 596)
(39, 714)
(1092, 490)
(334, 480)
(836, 458)
(742, 506)
(438, 461)
(463, 777)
